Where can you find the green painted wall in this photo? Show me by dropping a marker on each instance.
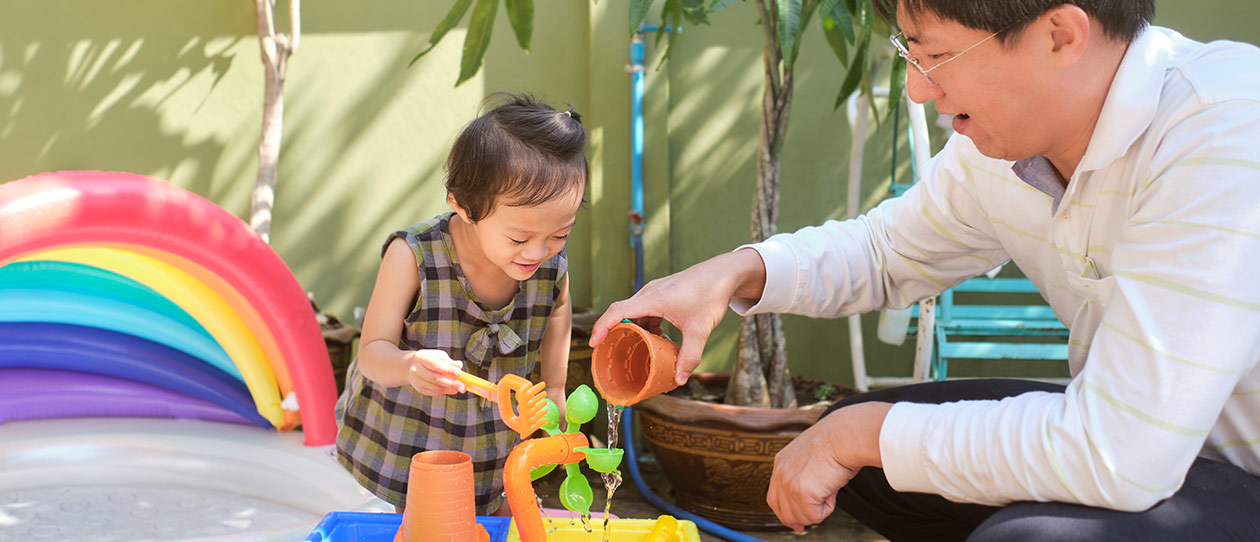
(174, 90)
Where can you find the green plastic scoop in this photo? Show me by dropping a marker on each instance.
(603, 460)
(575, 491)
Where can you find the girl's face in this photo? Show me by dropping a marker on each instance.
(519, 239)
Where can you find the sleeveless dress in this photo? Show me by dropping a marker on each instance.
(380, 428)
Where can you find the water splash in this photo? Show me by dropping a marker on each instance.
(543, 511)
(612, 480)
(586, 522)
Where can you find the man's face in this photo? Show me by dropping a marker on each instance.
(995, 90)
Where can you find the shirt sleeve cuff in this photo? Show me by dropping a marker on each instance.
(777, 294)
(901, 447)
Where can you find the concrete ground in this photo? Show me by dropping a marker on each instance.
(628, 502)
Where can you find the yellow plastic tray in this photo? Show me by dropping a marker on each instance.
(623, 530)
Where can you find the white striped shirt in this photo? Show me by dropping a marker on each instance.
(1151, 258)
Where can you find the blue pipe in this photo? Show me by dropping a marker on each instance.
(637, 69)
(636, 156)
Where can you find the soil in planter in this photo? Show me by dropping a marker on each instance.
(810, 393)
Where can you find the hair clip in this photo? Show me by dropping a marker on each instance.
(574, 114)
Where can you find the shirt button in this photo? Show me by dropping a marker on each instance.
(1067, 216)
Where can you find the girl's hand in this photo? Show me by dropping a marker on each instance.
(433, 372)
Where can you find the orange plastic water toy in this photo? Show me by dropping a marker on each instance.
(440, 500)
(430, 499)
(633, 364)
(560, 449)
(531, 400)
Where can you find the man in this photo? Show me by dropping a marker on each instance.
(1115, 163)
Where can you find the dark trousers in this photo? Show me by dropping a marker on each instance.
(1218, 501)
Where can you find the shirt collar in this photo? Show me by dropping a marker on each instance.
(1132, 100)
(1039, 173)
(1127, 113)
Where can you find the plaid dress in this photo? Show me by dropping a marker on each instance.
(380, 428)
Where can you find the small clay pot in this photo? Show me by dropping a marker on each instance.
(440, 499)
(633, 364)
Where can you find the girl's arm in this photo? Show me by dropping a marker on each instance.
(554, 355)
(431, 372)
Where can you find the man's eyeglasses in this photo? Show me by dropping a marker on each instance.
(904, 51)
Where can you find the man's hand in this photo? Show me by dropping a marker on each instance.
(811, 469)
(694, 300)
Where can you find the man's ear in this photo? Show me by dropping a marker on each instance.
(459, 209)
(1070, 32)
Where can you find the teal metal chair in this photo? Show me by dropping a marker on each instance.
(995, 319)
(982, 318)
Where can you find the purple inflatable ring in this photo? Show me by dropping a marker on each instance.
(99, 351)
(37, 394)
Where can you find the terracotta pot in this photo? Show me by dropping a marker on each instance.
(632, 364)
(440, 499)
(718, 458)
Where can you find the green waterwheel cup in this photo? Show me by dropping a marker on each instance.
(552, 426)
(540, 471)
(581, 407)
(602, 460)
(575, 491)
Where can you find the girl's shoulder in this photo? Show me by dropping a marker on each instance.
(423, 236)
(432, 229)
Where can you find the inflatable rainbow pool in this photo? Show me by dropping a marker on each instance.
(121, 295)
(125, 302)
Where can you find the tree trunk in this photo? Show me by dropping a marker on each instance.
(276, 48)
(760, 376)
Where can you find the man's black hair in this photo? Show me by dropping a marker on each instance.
(1120, 19)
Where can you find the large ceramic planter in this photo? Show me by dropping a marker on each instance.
(719, 458)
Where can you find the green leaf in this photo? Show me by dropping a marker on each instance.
(673, 13)
(638, 12)
(480, 25)
(452, 18)
(694, 11)
(865, 60)
(896, 83)
(521, 15)
(810, 8)
(835, 39)
(719, 4)
(789, 12)
(854, 78)
(838, 11)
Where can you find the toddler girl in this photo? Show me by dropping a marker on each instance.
(481, 289)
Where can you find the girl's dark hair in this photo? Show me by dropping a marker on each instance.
(1120, 19)
(520, 153)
